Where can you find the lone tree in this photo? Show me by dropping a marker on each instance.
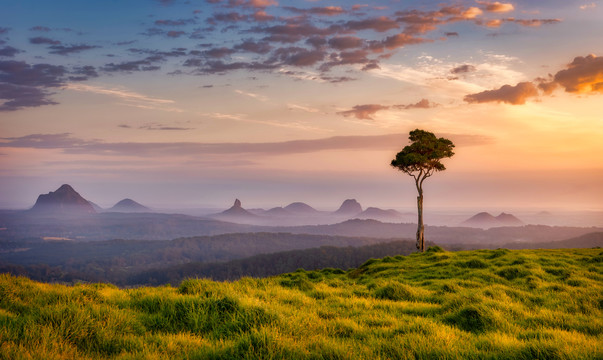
(420, 160)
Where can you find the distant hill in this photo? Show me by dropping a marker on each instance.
(486, 220)
(300, 208)
(349, 207)
(278, 211)
(380, 214)
(63, 201)
(128, 205)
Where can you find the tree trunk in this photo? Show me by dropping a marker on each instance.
(420, 226)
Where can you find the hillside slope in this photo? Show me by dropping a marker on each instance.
(485, 304)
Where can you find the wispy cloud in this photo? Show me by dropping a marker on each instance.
(131, 98)
(72, 145)
(252, 95)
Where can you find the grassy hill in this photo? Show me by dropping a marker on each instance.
(485, 304)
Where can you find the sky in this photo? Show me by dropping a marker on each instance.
(191, 104)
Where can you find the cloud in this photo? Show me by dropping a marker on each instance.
(364, 112)
(583, 75)
(326, 10)
(463, 69)
(40, 28)
(496, 7)
(379, 24)
(297, 56)
(422, 104)
(162, 127)
(4, 30)
(515, 95)
(83, 73)
(69, 49)
(72, 145)
(588, 6)
(9, 51)
(38, 40)
(18, 97)
(252, 95)
(179, 22)
(120, 93)
(345, 42)
(260, 47)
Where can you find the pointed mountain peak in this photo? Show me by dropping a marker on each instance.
(65, 200)
(237, 204)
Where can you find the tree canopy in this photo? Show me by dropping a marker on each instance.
(422, 157)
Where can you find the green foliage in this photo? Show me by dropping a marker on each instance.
(423, 154)
(486, 304)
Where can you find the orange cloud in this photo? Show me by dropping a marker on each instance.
(583, 75)
(497, 7)
(515, 95)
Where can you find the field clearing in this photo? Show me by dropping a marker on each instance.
(482, 304)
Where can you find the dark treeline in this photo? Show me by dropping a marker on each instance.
(273, 264)
(256, 266)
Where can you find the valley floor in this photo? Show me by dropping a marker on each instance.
(483, 304)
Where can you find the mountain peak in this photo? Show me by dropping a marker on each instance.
(129, 205)
(349, 207)
(65, 200)
(237, 204)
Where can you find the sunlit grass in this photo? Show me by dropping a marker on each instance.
(486, 304)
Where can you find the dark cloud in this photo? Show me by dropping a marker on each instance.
(347, 58)
(336, 79)
(40, 28)
(18, 97)
(515, 95)
(397, 41)
(129, 66)
(463, 69)
(23, 85)
(364, 112)
(326, 10)
(9, 51)
(380, 24)
(230, 17)
(218, 53)
(422, 104)
(175, 34)
(70, 49)
(346, 42)
(533, 22)
(449, 34)
(82, 73)
(179, 22)
(220, 67)
(297, 56)
(260, 47)
(4, 30)
(38, 75)
(41, 40)
(73, 145)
